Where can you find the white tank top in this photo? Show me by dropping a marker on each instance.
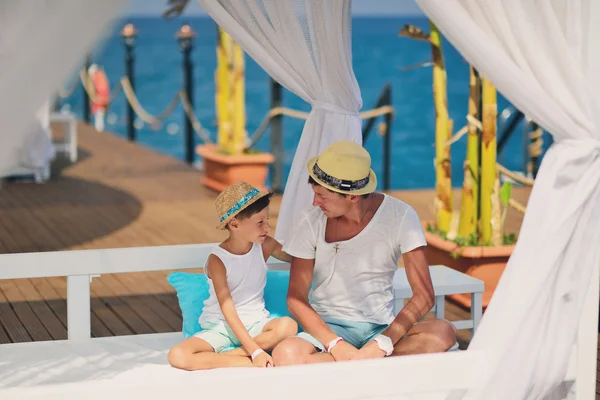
(246, 278)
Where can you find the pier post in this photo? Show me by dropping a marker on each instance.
(128, 34)
(536, 142)
(86, 98)
(276, 138)
(387, 141)
(185, 36)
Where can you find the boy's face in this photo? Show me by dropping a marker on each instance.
(255, 228)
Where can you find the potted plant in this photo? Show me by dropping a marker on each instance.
(471, 240)
(229, 160)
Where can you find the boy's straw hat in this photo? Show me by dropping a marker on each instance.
(234, 199)
(344, 167)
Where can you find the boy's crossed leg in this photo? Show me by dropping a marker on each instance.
(273, 333)
(196, 353)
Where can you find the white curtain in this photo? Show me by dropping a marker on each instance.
(41, 41)
(544, 56)
(305, 45)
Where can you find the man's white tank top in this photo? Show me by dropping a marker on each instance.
(246, 278)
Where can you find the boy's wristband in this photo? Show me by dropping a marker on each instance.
(332, 344)
(256, 353)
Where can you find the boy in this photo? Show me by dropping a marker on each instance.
(235, 313)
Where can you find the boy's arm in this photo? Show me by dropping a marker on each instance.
(273, 248)
(218, 274)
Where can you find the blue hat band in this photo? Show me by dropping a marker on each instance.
(239, 204)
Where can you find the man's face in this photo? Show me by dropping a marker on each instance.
(332, 204)
(254, 229)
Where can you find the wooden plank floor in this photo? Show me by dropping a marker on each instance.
(120, 194)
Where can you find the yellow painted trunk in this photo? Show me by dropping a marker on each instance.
(470, 193)
(443, 132)
(239, 100)
(222, 89)
(496, 220)
(488, 159)
(230, 95)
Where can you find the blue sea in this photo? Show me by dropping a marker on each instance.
(378, 56)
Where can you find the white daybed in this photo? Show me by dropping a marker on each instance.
(128, 367)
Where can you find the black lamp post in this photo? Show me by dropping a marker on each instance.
(128, 34)
(185, 37)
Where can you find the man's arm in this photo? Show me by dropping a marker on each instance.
(422, 300)
(301, 272)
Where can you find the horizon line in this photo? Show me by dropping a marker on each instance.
(208, 16)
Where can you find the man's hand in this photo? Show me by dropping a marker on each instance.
(263, 360)
(370, 350)
(343, 351)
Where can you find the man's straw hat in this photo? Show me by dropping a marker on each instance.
(344, 167)
(234, 199)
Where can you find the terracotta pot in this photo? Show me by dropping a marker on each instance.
(221, 170)
(482, 262)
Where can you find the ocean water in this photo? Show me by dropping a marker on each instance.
(378, 56)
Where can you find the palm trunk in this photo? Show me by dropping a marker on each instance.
(488, 159)
(222, 90)
(239, 100)
(470, 193)
(443, 127)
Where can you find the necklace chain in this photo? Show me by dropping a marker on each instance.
(337, 243)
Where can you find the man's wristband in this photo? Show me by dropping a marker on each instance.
(332, 344)
(384, 343)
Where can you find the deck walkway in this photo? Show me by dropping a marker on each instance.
(120, 194)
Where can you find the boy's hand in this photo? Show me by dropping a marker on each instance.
(262, 360)
(343, 351)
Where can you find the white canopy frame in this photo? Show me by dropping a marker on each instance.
(571, 116)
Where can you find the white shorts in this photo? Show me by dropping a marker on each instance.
(220, 336)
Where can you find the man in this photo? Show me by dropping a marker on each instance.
(345, 253)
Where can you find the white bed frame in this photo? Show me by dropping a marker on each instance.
(423, 376)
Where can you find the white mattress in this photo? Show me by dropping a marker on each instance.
(136, 367)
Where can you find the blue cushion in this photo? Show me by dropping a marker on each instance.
(192, 291)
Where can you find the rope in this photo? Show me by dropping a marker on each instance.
(464, 130)
(145, 116)
(376, 112)
(516, 177)
(196, 125)
(516, 205)
(276, 111)
(155, 121)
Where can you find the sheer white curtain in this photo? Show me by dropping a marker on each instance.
(544, 56)
(305, 45)
(41, 42)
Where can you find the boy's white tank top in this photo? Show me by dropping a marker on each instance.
(246, 278)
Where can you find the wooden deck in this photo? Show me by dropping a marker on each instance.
(120, 194)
